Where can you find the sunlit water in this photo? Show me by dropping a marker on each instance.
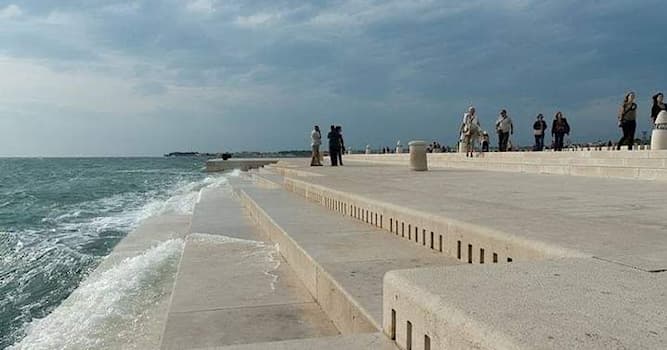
(58, 219)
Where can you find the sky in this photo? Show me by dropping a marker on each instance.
(114, 78)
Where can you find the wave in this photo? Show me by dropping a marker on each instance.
(112, 308)
(41, 267)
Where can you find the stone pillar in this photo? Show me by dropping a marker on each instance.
(418, 160)
(659, 135)
(368, 149)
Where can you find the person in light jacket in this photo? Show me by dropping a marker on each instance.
(470, 131)
(316, 141)
(505, 128)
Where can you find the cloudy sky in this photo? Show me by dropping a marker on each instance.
(93, 77)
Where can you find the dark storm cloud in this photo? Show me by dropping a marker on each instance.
(258, 73)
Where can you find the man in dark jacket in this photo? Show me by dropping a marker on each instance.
(334, 145)
(341, 144)
(539, 130)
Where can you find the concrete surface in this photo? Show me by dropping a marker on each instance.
(640, 165)
(365, 341)
(216, 165)
(612, 219)
(561, 304)
(233, 288)
(332, 250)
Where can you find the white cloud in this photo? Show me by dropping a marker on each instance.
(257, 20)
(11, 11)
(201, 6)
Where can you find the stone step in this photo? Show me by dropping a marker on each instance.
(556, 304)
(340, 261)
(367, 341)
(234, 288)
(638, 165)
(486, 217)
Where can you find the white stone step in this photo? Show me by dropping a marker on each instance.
(234, 288)
(341, 261)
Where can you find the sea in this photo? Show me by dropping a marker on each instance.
(59, 218)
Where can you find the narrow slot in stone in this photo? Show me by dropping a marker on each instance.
(393, 324)
(509, 259)
(469, 253)
(408, 336)
(427, 342)
(432, 240)
(481, 255)
(495, 258)
(458, 250)
(424, 237)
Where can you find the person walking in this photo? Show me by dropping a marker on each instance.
(504, 128)
(658, 106)
(316, 141)
(559, 128)
(539, 130)
(334, 146)
(341, 150)
(470, 129)
(627, 120)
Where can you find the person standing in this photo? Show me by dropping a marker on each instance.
(341, 150)
(539, 130)
(334, 146)
(316, 141)
(485, 141)
(559, 129)
(470, 129)
(627, 120)
(504, 128)
(658, 106)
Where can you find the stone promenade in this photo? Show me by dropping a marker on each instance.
(554, 261)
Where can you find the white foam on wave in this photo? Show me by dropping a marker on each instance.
(34, 254)
(262, 254)
(111, 309)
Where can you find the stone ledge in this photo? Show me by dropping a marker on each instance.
(558, 304)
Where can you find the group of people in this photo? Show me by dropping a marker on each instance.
(627, 116)
(471, 130)
(336, 146)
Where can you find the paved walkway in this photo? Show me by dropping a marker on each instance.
(615, 220)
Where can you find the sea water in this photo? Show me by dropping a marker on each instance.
(58, 219)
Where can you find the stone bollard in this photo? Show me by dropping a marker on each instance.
(418, 160)
(659, 134)
(368, 149)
